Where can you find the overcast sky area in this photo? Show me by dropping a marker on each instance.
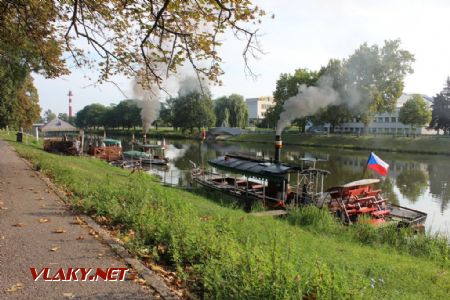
(304, 34)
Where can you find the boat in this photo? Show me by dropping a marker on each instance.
(150, 154)
(109, 150)
(270, 182)
(359, 201)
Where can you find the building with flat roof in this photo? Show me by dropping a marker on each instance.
(257, 107)
(387, 123)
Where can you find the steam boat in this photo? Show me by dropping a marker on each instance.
(269, 181)
(150, 154)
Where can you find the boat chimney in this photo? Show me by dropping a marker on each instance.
(278, 146)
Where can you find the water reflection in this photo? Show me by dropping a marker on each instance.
(417, 181)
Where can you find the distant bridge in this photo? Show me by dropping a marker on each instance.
(224, 131)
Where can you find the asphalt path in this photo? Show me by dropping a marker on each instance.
(38, 230)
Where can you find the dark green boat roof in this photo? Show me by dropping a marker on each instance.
(260, 168)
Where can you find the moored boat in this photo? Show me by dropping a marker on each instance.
(283, 186)
(150, 154)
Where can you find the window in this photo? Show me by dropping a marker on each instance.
(393, 119)
(386, 130)
(386, 119)
(380, 120)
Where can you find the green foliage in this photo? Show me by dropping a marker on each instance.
(231, 110)
(126, 114)
(26, 109)
(49, 115)
(286, 87)
(192, 110)
(64, 117)
(225, 253)
(19, 100)
(415, 112)
(376, 76)
(440, 118)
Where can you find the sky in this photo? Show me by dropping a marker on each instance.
(303, 34)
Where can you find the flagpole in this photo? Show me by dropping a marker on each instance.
(365, 167)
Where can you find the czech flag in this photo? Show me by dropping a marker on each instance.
(377, 164)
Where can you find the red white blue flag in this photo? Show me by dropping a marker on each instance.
(377, 164)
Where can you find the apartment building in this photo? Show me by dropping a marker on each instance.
(387, 123)
(257, 107)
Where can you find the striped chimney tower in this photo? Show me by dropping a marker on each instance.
(70, 104)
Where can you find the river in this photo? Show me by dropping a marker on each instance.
(418, 181)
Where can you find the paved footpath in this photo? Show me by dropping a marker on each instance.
(27, 240)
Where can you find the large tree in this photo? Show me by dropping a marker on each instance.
(415, 112)
(19, 99)
(49, 115)
(148, 39)
(231, 110)
(374, 78)
(287, 86)
(193, 110)
(91, 116)
(338, 113)
(440, 119)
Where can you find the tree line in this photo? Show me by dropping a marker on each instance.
(187, 112)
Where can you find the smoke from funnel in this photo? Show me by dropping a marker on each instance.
(307, 102)
(190, 83)
(148, 101)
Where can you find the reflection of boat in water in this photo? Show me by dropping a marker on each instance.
(269, 181)
(150, 154)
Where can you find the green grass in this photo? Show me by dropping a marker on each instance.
(424, 144)
(222, 252)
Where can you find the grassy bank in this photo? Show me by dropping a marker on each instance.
(224, 253)
(424, 144)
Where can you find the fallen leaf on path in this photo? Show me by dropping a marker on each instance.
(68, 295)
(80, 238)
(93, 233)
(44, 220)
(78, 220)
(141, 281)
(36, 192)
(40, 198)
(3, 208)
(2, 237)
(54, 249)
(15, 287)
(59, 230)
(20, 225)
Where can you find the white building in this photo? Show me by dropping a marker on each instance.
(386, 122)
(257, 107)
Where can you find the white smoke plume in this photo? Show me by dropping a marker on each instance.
(307, 102)
(191, 83)
(148, 101)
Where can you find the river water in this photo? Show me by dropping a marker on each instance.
(418, 181)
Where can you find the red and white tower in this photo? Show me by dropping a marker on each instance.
(70, 104)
